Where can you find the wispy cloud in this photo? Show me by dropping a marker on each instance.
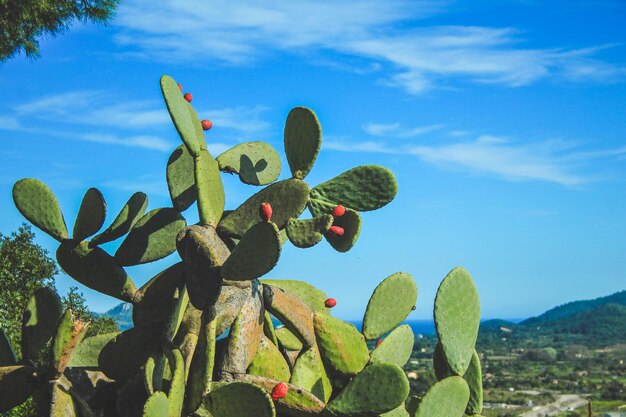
(557, 162)
(113, 120)
(396, 130)
(393, 36)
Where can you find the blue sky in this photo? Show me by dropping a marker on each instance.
(504, 122)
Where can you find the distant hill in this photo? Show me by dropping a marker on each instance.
(496, 324)
(607, 321)
(122, 314)
(575, 307)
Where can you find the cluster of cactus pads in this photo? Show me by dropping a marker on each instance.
(206, 339)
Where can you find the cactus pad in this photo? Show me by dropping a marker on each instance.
(183, 116)
(95, 269)
(42, 314)
(396, 348)
(297, 402)
(364, 188)
(156, 293)
(87, 352)
(309, 232)
(125, 220)
(257, 163)
(350, 222)
(287, 339)
(255, 255)
(309, 374)
(68, 335)
(457, 317)
(303, 139)
(91, 215)
(210, 189)
(269, 362)
(342, 347)
(129, 350)
(153, 237)
(239, 399)
(309, 295)
(473, 377)
(379, 388)
(38, 204)
(447, 398)
(180, 179)
(156, 406)
(292, 312)
(288, 199)
(392, 301)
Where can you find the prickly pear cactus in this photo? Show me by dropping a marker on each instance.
(206, 339)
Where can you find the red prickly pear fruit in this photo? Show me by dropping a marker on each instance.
(265, 212)
(339, 211)
(378, 342)
(279, 391)
(337, 230)
(181, 87)
(330, 302)
(206, 124)
(188, 97)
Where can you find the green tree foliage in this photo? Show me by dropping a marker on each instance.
(23, 22)
(99, 325)
(24, 267)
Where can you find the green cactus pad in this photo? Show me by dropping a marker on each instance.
(156, 406)
(91, 215)
(364, 188)
(62, 403)
(341, 345)
(95, 269)
(255, 255)
(68, 335)
(447, 398)
(210, 189)
(129, 350)
(392, 301)
(297, 403)
(351, 224)
(287, 339)
(309, 374)
(257, 163)
(132, 211)
(87, 352)
(38, 204)
(309, 295)
(42, 314)
(180, 179)
(239, 399)
(157, 293)
(176, 392)
(396, 348)
(269, 362)
(303, 139)
(183, 117)
(309, 232)
(7, 355)
(292, 312)
(268, 328)
(288, 199)
(379, 388)
(228, 306)
(16, 385)
(153, 237)
(473, 377)
(457, 317)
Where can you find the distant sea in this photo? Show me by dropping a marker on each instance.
(425, 327)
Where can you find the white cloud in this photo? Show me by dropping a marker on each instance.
(396, 130)
(554, 161)
(387, 34)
